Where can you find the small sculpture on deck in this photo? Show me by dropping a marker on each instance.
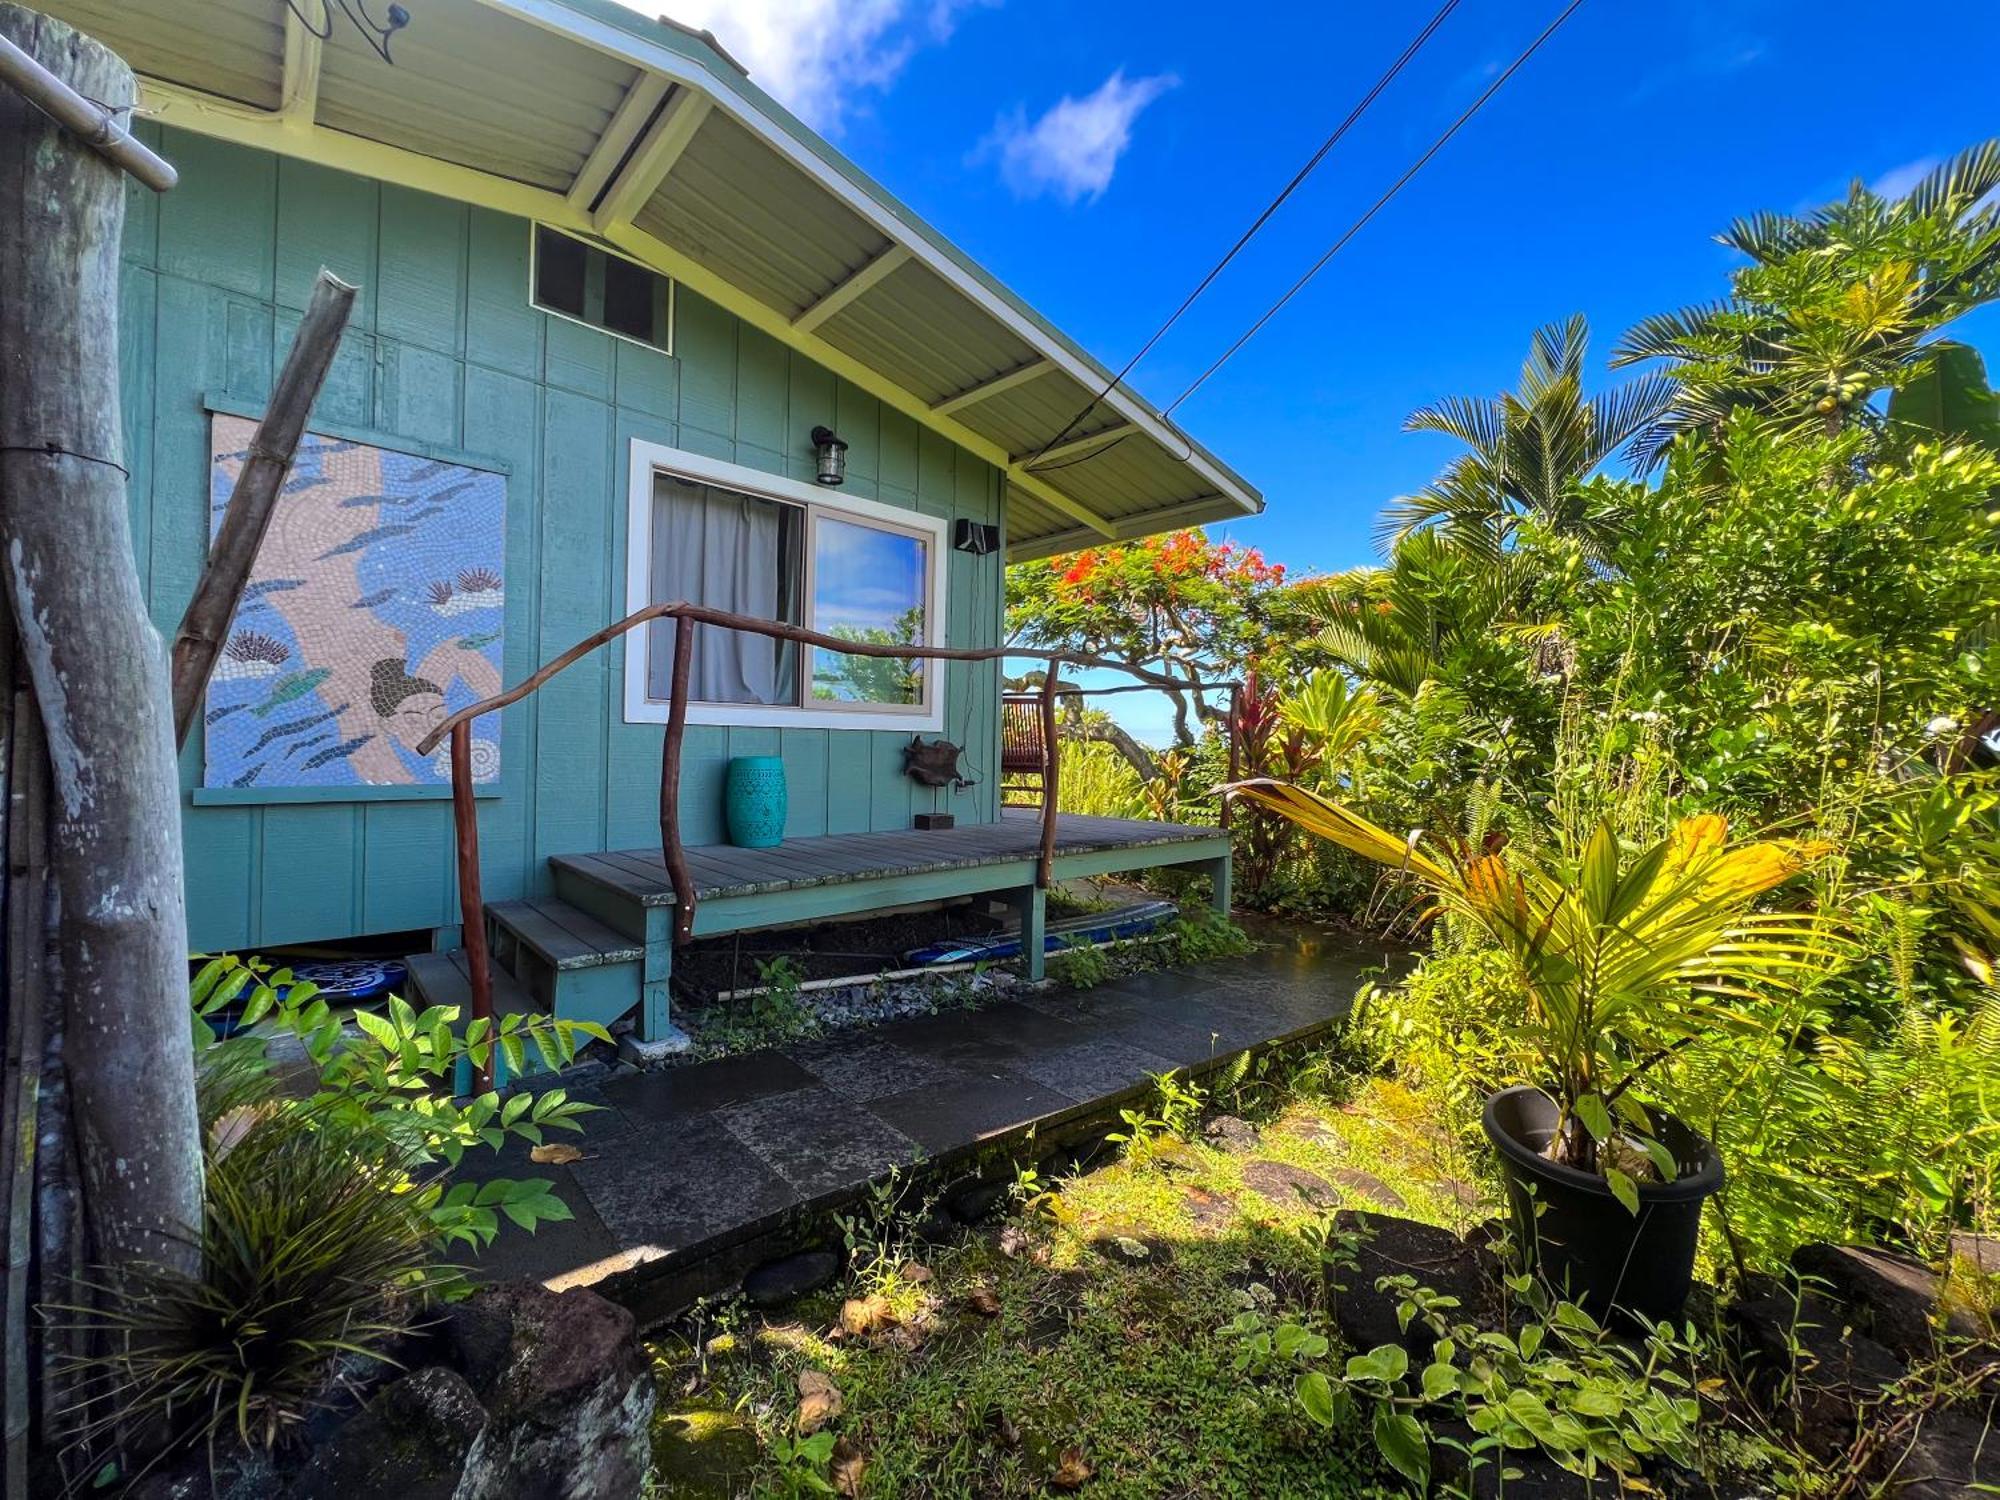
(934, 763)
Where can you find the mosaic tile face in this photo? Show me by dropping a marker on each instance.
(374, 609)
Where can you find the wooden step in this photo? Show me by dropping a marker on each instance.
(444, 979)
(569, 962)
(562, 936)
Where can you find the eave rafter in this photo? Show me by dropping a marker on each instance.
(672, 132)
(856, 284)
(1076, 447)
(1006, 381)
(298, 92)
(268, 130)
(642, 101)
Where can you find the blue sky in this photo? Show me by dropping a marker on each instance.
(1098, 158)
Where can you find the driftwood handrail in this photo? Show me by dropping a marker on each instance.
(458, 727)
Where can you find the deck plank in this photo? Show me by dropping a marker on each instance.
(722, 870)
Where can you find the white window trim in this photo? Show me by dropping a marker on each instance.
(649, 459)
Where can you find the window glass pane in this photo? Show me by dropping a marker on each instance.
(628, 298)
(559, 272)
(729, 551)
(868, 585)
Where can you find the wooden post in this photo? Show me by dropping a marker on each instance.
(1235, 768)
(471, 904)
(99, 675)
(672, 853)
(1051, 772)
(255, 496)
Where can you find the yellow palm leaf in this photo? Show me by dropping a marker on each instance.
(1334, 823)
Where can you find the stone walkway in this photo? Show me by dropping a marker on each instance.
(691, 1175)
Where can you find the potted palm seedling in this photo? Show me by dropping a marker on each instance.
(1624, 956)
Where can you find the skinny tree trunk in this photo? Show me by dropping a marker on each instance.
(96, 663)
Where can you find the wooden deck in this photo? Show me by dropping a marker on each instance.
(723, 872)
(629, 893)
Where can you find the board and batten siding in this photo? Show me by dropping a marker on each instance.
(445, 350)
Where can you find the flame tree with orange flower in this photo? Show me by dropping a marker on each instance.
(1183, 605)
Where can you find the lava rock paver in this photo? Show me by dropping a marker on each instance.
(1285, 1184)
(685, 1165)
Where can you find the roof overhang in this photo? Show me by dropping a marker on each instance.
(646, 136)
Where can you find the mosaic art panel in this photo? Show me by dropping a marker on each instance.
(374, 610)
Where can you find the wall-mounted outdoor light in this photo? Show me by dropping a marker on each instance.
(832, 456)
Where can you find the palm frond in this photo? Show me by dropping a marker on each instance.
(1557, 350)
(1956, 186)
(1620, 414)
(1683, 335)
(1767, 236)
(1473, 420)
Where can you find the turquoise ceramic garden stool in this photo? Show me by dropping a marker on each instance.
(754, 801)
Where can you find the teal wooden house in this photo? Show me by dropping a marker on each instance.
(620, 314)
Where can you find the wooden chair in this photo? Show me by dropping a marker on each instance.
(1023, 758)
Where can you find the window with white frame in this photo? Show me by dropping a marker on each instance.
(758, 544)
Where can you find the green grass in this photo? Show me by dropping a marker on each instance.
(1128, 1363)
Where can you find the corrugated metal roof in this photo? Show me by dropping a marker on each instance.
(476, 87)
(231, 48)
(744, 197)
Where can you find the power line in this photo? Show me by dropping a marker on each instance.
(1356, 227)
(1298, 179)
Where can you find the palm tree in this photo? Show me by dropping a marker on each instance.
(1529, 450)
(1834, 307)
(1396, 626)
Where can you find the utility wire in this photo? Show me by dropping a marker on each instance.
(1298, 179)
(1356, 227)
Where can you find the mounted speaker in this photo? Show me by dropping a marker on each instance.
(975, 537)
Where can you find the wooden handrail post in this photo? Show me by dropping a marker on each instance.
(1051, 775)
(1235, 769)
(671, 850)
(471, 906)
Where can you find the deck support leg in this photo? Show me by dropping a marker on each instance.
(1032, 902)
(1219, 880)
(655, 1026)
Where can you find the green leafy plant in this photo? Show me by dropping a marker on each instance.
(392, 1080)
(1560, 1385)
(1172, 1112)
(1202, 934)
(1081, 964)
(799, 1464)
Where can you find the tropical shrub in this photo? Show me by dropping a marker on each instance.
(328, 1213)
(1095, 779)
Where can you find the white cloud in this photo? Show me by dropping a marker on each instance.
(818, 56)
(1897, 181)
(1073, 149)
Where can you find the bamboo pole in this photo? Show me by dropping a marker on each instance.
(671, 850)
(254, 498)
(471, 905)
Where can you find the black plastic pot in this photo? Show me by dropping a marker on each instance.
(1584, 1240)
